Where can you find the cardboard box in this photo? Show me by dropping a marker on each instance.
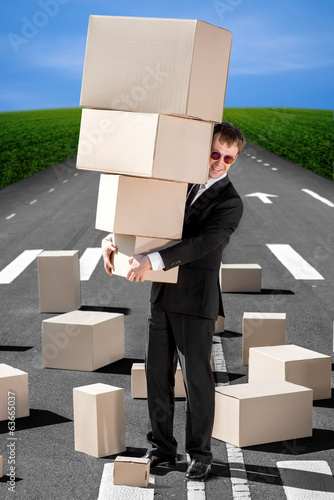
(240, 278)
(99, 420)
(293, 364)
(258, 413)
(262, 329)
(145, 145)
(1, 466)
(128, 245)
(144, 207)
(82, 340)
(14, 393)
(132, 471)
(59, 281)
(150, 65)
(138, 382)
(219, 325)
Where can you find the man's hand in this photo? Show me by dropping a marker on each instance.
(140, 265)
(107, 253)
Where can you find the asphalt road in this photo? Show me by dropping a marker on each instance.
(55, 210)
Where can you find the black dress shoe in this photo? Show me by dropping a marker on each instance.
(197, 471)
(155, 460)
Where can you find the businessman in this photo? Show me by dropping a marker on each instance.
(183, 315)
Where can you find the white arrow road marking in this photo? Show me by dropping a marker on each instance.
(318, 197)
(307, 480)
(109, 491)
(17, 266)
(294, 262)
(263, 196)
(88, 262)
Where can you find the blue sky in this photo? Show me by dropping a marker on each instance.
(282, 51)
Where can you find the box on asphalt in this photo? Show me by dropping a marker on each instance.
(1, 466)
(144, 207)
(132, 471)
(240, 278)
(262, 329)
(152, 65)
(82, 340)
(14, 392)
(138, 382)
(219, 325)
(258, 413)
(128, 245)
(59, 281)
(145, 145)
(294, 364)
(99, 420)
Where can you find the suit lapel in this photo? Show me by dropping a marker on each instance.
(207, 196)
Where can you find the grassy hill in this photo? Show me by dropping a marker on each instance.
(31, 141)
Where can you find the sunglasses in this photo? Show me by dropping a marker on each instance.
(227, 159)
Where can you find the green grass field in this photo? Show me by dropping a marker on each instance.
(303, 136)
(31, 141)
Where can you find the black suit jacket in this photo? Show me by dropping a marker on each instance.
(207, 228)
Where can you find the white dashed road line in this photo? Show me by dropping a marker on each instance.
(307, 480)
(294, 262)
(109, 491)
(18, 265)
(318, 197)
(10, 216)
(88, 262)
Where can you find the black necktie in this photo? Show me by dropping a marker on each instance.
(191, 195)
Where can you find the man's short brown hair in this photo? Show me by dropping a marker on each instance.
(230, 134)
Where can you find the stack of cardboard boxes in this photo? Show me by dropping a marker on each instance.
(152, 90)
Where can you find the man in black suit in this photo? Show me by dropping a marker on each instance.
(183, 315)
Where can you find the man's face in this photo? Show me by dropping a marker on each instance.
(219, 167)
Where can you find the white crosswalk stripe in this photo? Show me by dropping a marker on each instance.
(294, 262)
(88, 262)
(307, 479)
(17, 266)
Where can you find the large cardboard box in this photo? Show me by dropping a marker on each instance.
(139, 387)
(14, 393)
(240, 278)
(128, 245)
(144, 207)
(99, 420)
(149, 65)
(132, 471)
(82, 340)
(258, 413)
(294, 364)
(262, 329)
(145, 145)
(59, 281)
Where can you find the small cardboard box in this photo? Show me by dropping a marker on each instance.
(128, 245)
(152, 65)
(132, 471)
(82, 340)
(99, 420)
(144, 207)
(219, 325)
(240, 278)
(145, 145)
(258, 413)
(262, 329)
(293, 364)
(1, 466)
(14, 393)
(138, 382)
(59, 281)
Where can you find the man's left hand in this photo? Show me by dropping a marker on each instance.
(140, 265)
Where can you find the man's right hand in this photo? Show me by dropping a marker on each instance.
(107, 251)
